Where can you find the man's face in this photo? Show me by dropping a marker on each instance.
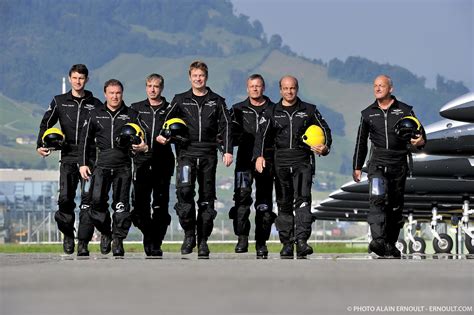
(255, 88)
(153, 89)
(113, 96)
(198, 78)
(382, 88)
(78, 81)
(288, 90)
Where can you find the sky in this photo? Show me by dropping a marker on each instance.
(427, 37)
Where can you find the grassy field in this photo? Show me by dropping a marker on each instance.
(133, 68)
(318, 88)
(215, 248)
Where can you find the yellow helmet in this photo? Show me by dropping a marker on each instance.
(53, 139)
(175, 129)
(130, 133)
(314, 135)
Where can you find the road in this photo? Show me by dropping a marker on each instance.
(231, 284)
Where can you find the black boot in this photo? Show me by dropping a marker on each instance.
(147, 246)
(105, 240)
(68, 244)
(189, 243)
(303, 249)
(203, 249)
(377, 246)
(117, 247)
(82, 249)
(156, 249)
(242, 244)
(287, 251)
(262, 250)
(391, 251)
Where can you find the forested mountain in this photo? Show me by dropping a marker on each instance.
(127, 40)
(41, 38)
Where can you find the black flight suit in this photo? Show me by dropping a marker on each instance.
(113, 169)
(71, 112)
(197, 159)
(152, 176)
(245, 119)
(294, 165)
(387, 167)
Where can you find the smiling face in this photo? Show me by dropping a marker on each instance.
(78, 82)
(382, 88)
(288, 90)
(198, 79)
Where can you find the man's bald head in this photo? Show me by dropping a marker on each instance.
(289, 79)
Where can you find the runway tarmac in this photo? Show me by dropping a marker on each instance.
(233, 284)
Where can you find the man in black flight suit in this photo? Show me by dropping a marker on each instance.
(113, 167)
(153, 170)
(294, 164)
(71, 110)
(245, 117)
(387, 167)
(205, 114)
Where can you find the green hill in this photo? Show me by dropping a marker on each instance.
(20, 120)
(315, 85)
(132, 69)
(17, 118)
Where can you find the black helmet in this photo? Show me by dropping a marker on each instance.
(175, 129)
(407, 128)
(53, 139)
(129, 134)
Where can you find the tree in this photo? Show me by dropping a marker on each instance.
(275, 41)
(450, 86)
(258, 28)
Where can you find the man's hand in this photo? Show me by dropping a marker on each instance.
(320, 149)
(418, 142)
(260, 164)
(142, 147)
(85, 172)
(162, 140)
(44, 152)
(227, 159)
(356, 175)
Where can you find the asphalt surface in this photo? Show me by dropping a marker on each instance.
(234, 284)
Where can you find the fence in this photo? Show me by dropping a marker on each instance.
(37, 229)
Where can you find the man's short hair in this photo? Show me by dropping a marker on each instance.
(389, 79)
(256, 76)
(79, 68)
(156, 76)
(198, 64)
(112, 82)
